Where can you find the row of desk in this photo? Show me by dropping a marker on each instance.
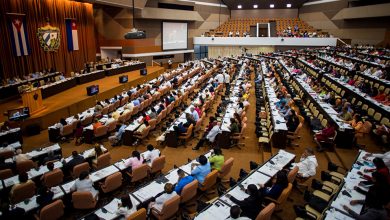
(345, 133)
(54, 131)
(350, 181)
(350, 91)
(39, 171)
(220, 208)
(12, 89)
(278, 121)
(143, 194)
(371, 78)
(11, 136)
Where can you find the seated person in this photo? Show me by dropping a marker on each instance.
(76, 160)
(210, 136)
(126, 207)
(235, 214)
(307, 164)
(217, 159)
(345, 114)
(45, 197)
(160, 200)
(279, 183)
(135, 160)
(151, 154)
(201, 169)
(250, 206)
(141, 128)
(20, 156)
(116, 139)
(61, 125)
(97, 124)
(233, 126)
(84, 184)
(323, 135)
(380, 167)
(374, 208)
(182, 181)
(95, 153)
(385, 157)
(23, 180)
(50, 167)
(195, 114)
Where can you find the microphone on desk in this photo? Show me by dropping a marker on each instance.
(345, 193)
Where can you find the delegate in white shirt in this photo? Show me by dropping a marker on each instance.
(151, 155)
(307, 166)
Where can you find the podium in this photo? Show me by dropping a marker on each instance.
(33, 100)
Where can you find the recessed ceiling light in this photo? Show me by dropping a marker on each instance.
(288, 5)
(272, 6)
(255, 6)
(239, 6)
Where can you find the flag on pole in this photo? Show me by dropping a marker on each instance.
(71, 34)
(18, 31)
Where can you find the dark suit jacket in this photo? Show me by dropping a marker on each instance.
(73, 162)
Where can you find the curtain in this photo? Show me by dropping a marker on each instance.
(36, 12)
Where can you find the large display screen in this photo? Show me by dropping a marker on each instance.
(174, 35)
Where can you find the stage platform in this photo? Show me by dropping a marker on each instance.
(75, 100)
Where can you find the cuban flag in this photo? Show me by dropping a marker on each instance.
(19, 37)
(71, 34)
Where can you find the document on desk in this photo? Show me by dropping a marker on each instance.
(333, 214)
(236, 193)
(256, 178)
(149, 191)
(217, 211)
(268, 169)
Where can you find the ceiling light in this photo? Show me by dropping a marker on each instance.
(288, 5)
(239, 6)
(272, 6)
(255, 6)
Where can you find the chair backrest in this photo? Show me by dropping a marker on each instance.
(139, 173)
(7, 154)
(87, 120)
(53, 178)
(152, 123)
(111, 126)
(103, 160)
(22, 192)
(285, 193)
(145, 132)
(158, 164)
(226, 168)
(67, 130)
(79, 168)
(138, 215)
(5, 174)
(105, 110)
(25, 166)
(210, 180)
(101, 131)
(83, 200)
(112, 182)
(292, 174)
(170, 207)
(189, 191)
(266, 212)
(54, 210)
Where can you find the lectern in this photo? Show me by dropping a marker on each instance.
(33, 100)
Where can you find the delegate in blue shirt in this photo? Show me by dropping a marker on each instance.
(182, 183)
(201, 171)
